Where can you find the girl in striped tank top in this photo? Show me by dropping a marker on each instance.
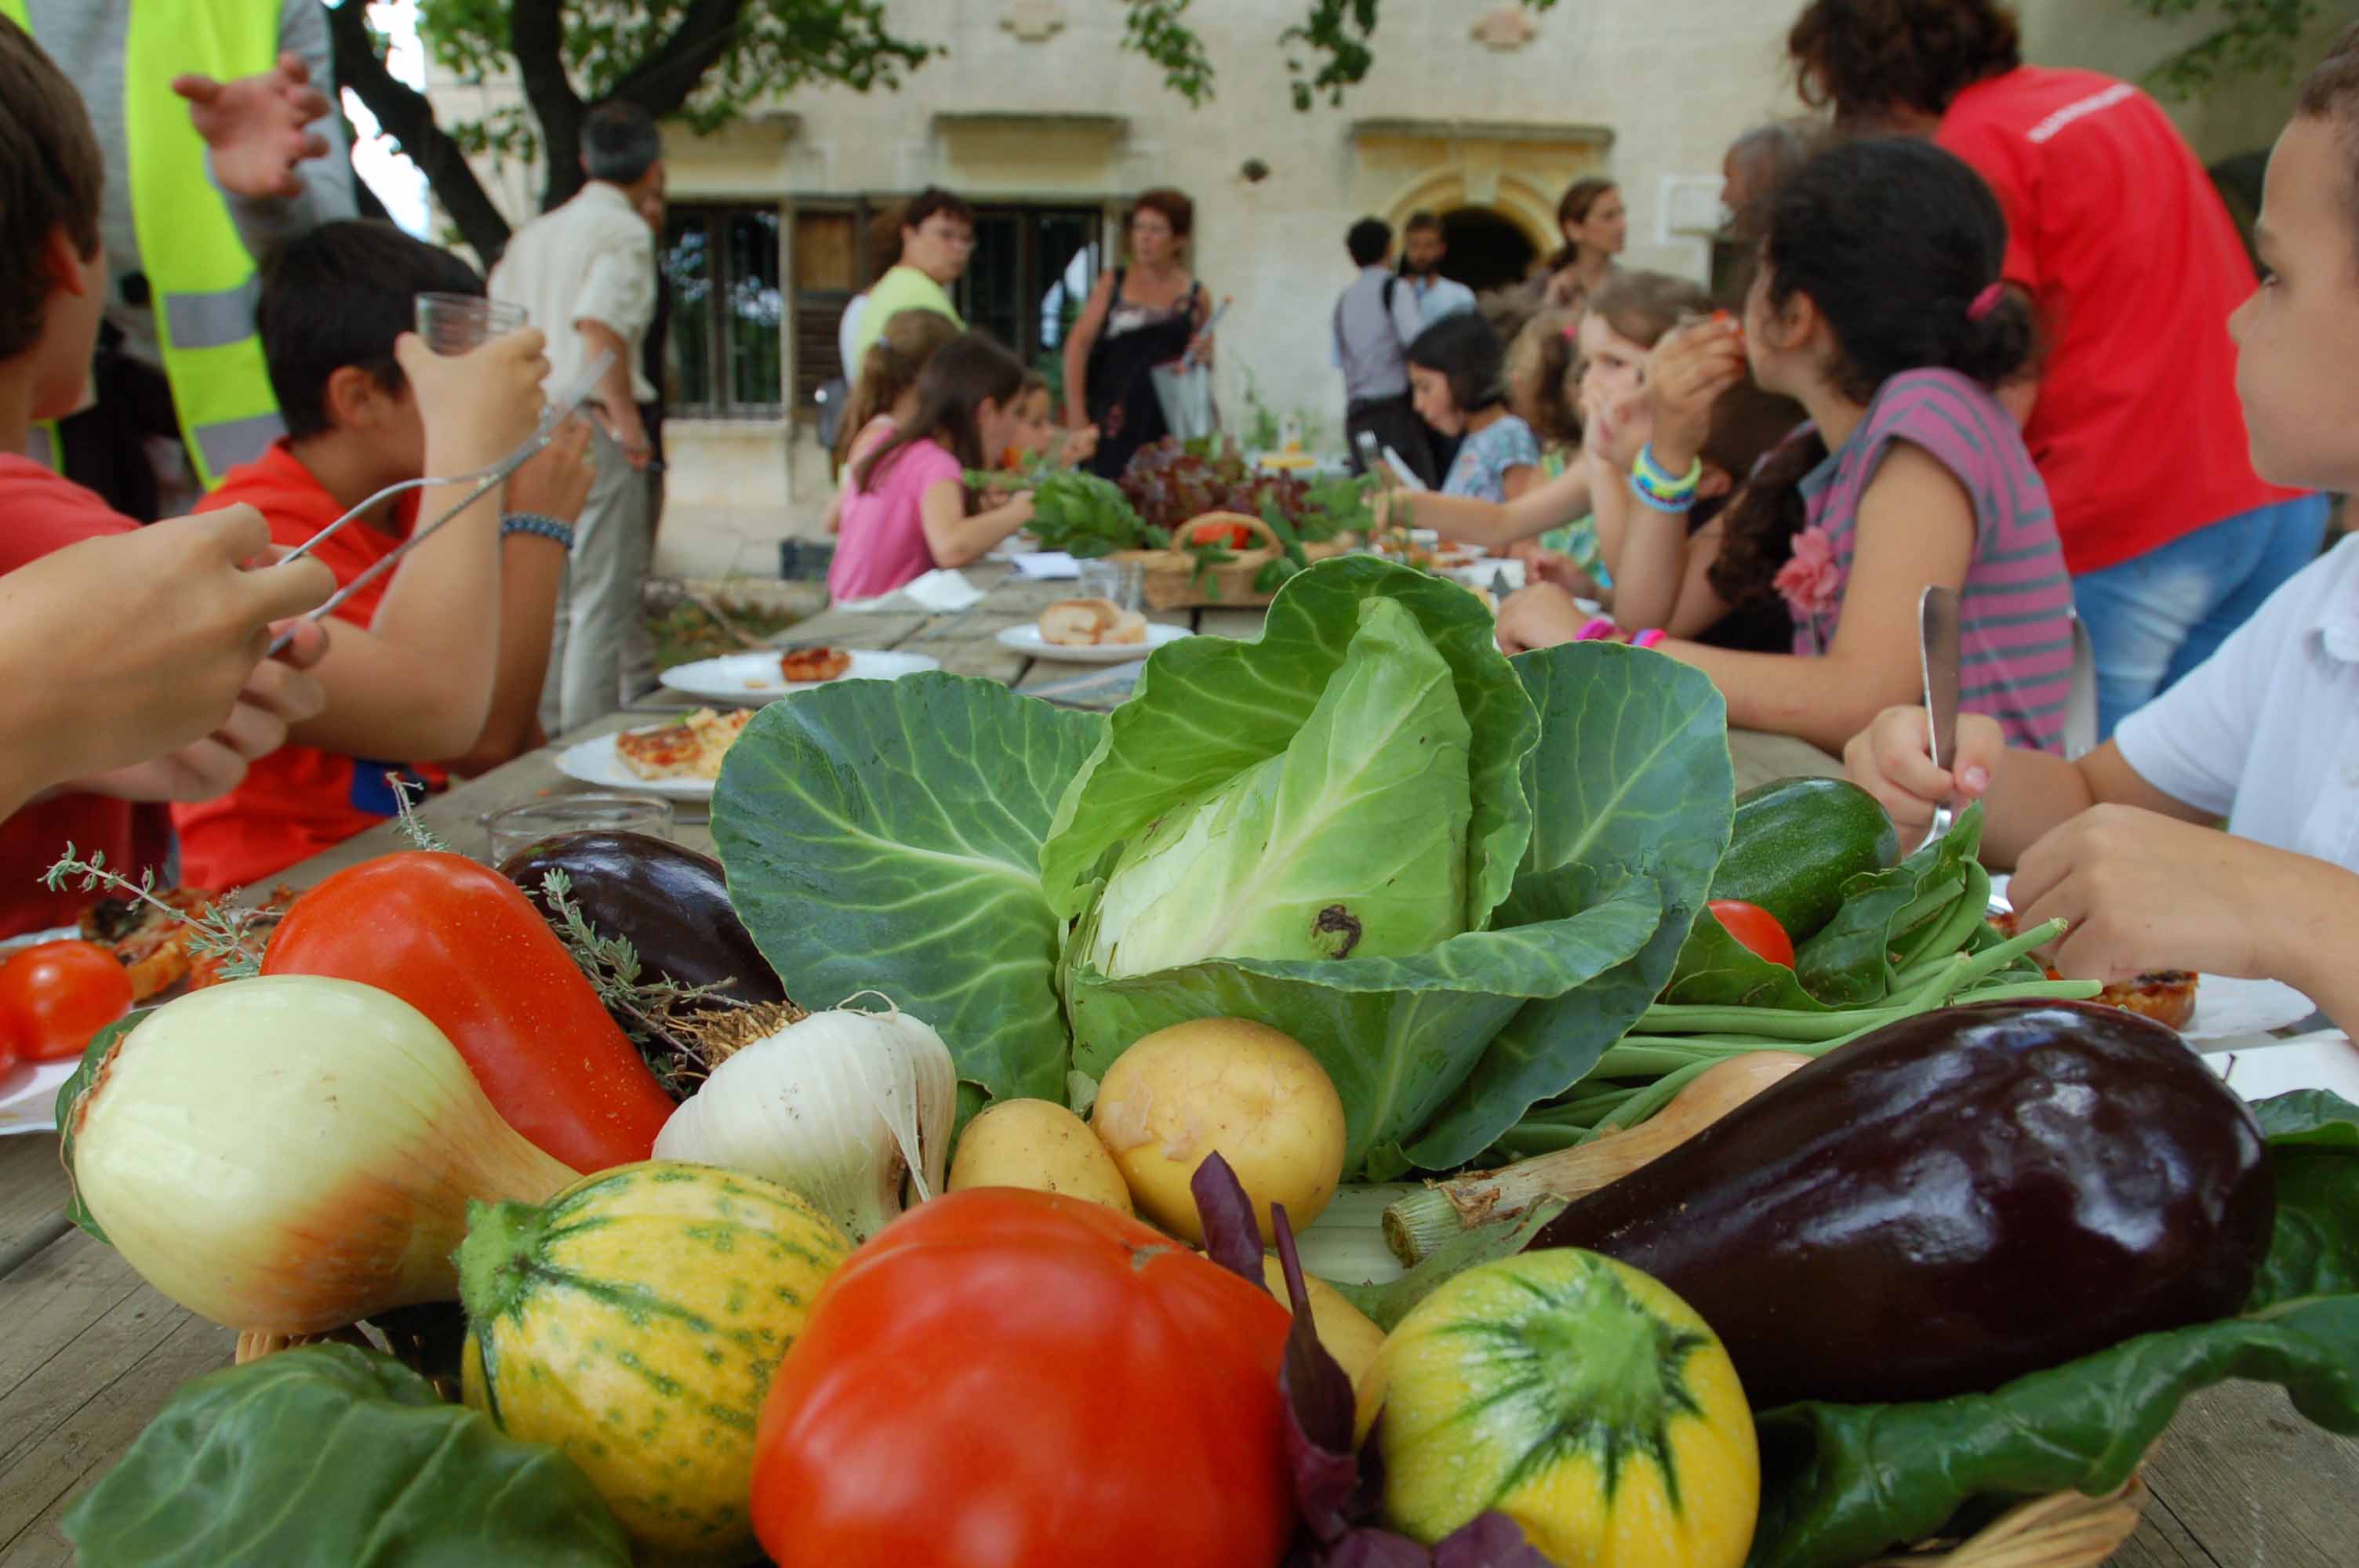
(1877, 304)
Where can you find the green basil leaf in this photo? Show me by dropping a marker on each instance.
(327, 1454)
(1841, 1483)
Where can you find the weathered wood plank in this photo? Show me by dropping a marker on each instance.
(84, 1447)
(32, 1189)
(2251, 1484)
(78, 1373)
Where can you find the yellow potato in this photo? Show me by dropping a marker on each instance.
(1227, 1086)
(1346, 1332)
(1039, 1145)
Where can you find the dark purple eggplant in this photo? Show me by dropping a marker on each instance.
(669, 903)
(1951, 1202)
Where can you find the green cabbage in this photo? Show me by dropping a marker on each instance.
(1455, 879)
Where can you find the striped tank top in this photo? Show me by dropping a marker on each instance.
(2016, 604)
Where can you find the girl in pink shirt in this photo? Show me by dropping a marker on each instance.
(907, 513)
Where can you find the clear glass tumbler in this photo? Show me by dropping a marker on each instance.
(454, 323)
(519, 827)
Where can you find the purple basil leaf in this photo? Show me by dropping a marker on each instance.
(1319, 1411)
(1488, 1541)
(1377, 1549)
(1231, 1239)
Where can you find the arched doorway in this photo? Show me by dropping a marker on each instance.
(1487, 249)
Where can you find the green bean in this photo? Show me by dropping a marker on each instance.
(1777, 1023)
(1651, 1098)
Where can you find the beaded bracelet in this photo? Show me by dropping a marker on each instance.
(1648, 638)
(538, 525)
(1660, 489)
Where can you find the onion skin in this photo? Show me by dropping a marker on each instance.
(290, 1153)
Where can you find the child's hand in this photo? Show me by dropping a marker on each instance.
(1542, 564)
(1540, 616)
(1892, 759)
(1080, 446)
(1017, 508)
(1618, 430)
(556, 482)
(2143, 892)
(480, 405)
(1686, 373)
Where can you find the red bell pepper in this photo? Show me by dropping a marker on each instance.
(464, 946)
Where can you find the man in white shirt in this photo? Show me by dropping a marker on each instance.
(585, 274)
(1375, 320)
(1423, 248)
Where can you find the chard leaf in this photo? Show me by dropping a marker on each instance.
(1349, 844)
(886, 834)
(1208, 708)
(1232, 1235)
(1843, 1483)
(327, 1454)
(1632, 785)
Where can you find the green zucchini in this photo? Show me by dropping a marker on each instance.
(1796, 842)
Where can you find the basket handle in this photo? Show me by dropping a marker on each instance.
(1187, 530)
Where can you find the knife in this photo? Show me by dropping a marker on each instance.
(1938, 634)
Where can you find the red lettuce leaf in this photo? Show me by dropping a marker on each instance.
(1488, 1541)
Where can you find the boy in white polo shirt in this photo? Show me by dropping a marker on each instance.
(2266, 732)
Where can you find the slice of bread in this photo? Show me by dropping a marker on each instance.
(1078, 623)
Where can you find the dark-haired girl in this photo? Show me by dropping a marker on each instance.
(1457, 378)
(906, 512)
(1877, 304)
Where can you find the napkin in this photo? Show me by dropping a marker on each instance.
(1046, 566)
(941, 590)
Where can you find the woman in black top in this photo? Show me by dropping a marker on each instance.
(1138, 317)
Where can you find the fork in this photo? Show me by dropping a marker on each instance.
(1938, 635)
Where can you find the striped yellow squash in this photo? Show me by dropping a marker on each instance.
(634, 1321)
(1577, 1396)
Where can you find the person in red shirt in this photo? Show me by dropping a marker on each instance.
(439, 660)
(119, 646)
(2119, 238)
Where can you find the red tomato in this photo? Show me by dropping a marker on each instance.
(1229, 535)
(55, 996)
(1755, 930)
(462, 945)
(1003, 1379)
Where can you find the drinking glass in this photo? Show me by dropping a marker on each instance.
(454, 323)
(521, 827)
(1121, 583)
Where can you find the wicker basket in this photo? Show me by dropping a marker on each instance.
(1173, 581)
(2066, 1531)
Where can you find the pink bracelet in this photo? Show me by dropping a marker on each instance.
(1648, 638)
(1599, 626)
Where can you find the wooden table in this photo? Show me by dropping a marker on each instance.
(89, 1352)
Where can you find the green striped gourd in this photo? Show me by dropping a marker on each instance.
(634, 1321)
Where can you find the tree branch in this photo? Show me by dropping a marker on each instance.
(403, 113)
(537, 41)
(661, 83)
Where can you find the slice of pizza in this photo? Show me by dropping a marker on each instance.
(2167, 996)
(812, 664)
(671, 752)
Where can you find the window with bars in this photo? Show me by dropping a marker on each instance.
(725, 358)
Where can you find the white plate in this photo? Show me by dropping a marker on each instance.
(739, 679)
(2323, 1061)
(595, 762)
(1026, 639)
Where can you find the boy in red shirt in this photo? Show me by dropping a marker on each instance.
(181, 619)
(2116, 234)
(440, 659)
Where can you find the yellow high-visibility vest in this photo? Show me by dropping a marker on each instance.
(202, 282)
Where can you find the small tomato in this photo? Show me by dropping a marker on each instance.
(1755, 930)
(56, 995)
(1002, 1379)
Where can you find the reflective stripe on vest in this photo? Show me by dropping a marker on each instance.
(202, 280)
